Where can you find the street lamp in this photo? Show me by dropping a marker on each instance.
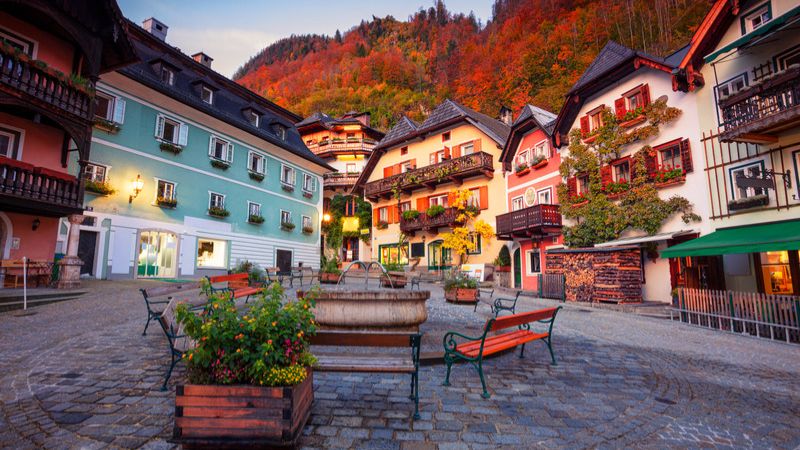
(136, 187)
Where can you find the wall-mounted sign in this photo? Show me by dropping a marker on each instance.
(15, 243)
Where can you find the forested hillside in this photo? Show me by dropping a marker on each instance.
(531, 51)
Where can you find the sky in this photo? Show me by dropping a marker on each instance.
(231, 31)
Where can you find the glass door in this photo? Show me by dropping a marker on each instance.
(157, 254)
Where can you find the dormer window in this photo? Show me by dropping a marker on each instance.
(207, 94)
(280, 131)
(253, 117)
(167, 75)
(756, 19)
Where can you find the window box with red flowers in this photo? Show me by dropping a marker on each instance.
(615, 189)
(632, 118)
(668, 177)
(579, 200)
(522, 169)
(382, 225)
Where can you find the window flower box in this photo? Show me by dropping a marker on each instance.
(258, 176)
(106, 125)
(308, 230)
(307, 194)
(218, 212)
(590, 137)
(256, 220)
(522, 169)
(219, 163)
(435, 211)
(633, 122)
(382, 225)
(748, 202)
(98, 187)
(540, 164)
(166, 202)
(287, 226)
(170, 147)
(411, 214)
(287, 187)
(670, 182)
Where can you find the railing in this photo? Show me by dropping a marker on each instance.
(525, 219)
(771, 97)
(339, 179)
(762, 315)
(18, 71)
(39, 184)
(425, 222)
(343, 145)
(445, 171)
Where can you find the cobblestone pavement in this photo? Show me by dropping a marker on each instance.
(80, 374)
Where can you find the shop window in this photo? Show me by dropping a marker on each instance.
(212, 254)
(776, 273)
(391, 253)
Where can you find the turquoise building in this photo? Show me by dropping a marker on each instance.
(191, 173)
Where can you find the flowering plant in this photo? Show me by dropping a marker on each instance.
(665, 174)
(521, 167)
(266, 345)
(615, 187)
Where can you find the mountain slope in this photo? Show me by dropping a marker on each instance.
(531, 51)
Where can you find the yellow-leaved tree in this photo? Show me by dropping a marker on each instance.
(460, 241)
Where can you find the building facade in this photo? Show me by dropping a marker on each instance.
(533, 221)
(191, 174)
(743, 68)
(416, 167)
(51, 54)
(625, 83)
(345, 143)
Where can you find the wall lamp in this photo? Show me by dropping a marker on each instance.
(35, 224)
(136, 187)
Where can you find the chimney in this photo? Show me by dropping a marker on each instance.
(506, 115)
(156, 28)
(203, 59)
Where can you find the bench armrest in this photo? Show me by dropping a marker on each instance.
(159, 302)
(499, 301)
(449, 341)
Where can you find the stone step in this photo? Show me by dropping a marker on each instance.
(17, 302)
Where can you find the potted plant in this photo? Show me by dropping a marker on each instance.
(98, 187)
(219, 163)
(411, 214)
(258, 176)
(170, 147)
(435, 211)
(287, 226)
(538, 162)
(503, 261)
(255, 219)
(218, 211)
(307, 194)
(308, 229)
(106, 125)
(250, 374)
(329, 270)
(522, 169)
(166, 202)
(460, 287)
(382, 224)
(286, 186)
(396, 274)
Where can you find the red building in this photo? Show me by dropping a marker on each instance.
(534, 222)
(51, 54)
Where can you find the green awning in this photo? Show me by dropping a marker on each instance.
(772, 25)
(766, 237)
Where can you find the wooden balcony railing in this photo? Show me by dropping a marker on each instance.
(536, 220)
(339, 179)
(453, 170)
(343, 146)
(37, 189)
(44, 85)
(424, 222)
(752, 114)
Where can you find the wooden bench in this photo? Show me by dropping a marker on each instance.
(359, 362)
(474, 349)
(232, 280)
(154, 313)
(178, 342)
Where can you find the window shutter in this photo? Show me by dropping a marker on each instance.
(119, 110)
(414, 163)
(646, 94)
(211, 141)
(432, 158)
(375, 217)
(619, 107)
(456, 151)
(686, 156)
(483, 192)
(585, 124)
(572, 186)
(651, 162)
(392, 216)
(447, 152)
(605, 175)
(398, 169)
(230, 152)
(451, 199)
(476, 145)
(183, 137)
(159, 126)
(423, 204)
(387, 172)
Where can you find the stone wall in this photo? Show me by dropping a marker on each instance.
(599, 274)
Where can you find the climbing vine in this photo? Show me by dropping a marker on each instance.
(333, 229)
(603, 212)
(459, 240)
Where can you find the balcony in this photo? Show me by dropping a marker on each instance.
(36, 83)
(452, 170)
(335, 180)
(37, 190)
(425, 223)
(759, 113)
(342, 146)
(533, 222)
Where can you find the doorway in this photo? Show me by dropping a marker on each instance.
(157, 254)
(87, 245)
(517, 269)
(438, 256)
(283, 259)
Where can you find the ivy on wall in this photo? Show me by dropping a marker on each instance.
(605, 211)
(333, 229)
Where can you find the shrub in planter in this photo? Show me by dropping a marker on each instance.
(503, 261)
(170, 147)
(308, 230)
(220, 164)
(167, 202)
(256, 176)
(411, 214)
(460, 288)
(522, 168)
(329, 270)
(397, 275)
(435, 210)
(99, 187)
(260, 358)
(382, 225)
(218, 212)
(287, 226)
(255, 219)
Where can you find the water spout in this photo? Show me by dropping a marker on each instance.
(366, 268)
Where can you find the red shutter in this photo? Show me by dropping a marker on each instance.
(391, 213)
(414, 163)
(387, 172)
(646, 94)
(483, 193)
(572, 186)
(686, 156)
(605, 175)
(585, 125)
(422, 204)
(446, 152)
(651, 162)
(375, 216)
(456, 151)
(451, 199)
(398, 169)
(476, 145)
(619, 108)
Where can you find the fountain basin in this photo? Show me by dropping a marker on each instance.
(370, 310)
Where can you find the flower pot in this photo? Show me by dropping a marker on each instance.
(632, 122)
(540, 164)
(307, 194)
(461, 295)
(523, 171)
(215, 415)
(502, 269)
(398, 280)
(329, 278)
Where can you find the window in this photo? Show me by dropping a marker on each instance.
(103, 105)
(788, 58)
(95, 172)
(406, 166)
(286, 217)
(756, 19)
(622, 172)
(445, 136)
(405, 206)
(541, 150)
(207, 94)
(171, 131)
(220, 149)
(280, 131)
(10, 139)
(18, 42)
(437, 157)
(533, 258)
(670, 157)
(308, 183)
(403, 151)
(350, 168)
(517, 203)
(167, 75)
(475, 238)
(383, 214)
(351, 136)
(255, 162)
(474, 199)
(440, 200)
(165, 190)
(596, 119)
(253, 209)
(523, 157)
(212, 254)
(731, 86)
(634, 100)
(544, 196)
(216, 200)
(306, 222)
(254, 118)
(754, 170)
(583, 184)
(287, 175)
(468, 148)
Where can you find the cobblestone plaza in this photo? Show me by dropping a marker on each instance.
(80, 374)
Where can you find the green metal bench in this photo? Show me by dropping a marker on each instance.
(178, 342)
(153, 313)
(506, 304)
(474, 349)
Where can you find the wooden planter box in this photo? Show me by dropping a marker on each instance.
(540, 164)
(633, 122)
(461, 295)
(328, 278)
(522, 172)
(241, 416)
(398, 281)
(672, 182)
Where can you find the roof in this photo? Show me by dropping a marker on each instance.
(530, 118)
(705, 39)
(320, 120)
(230, 98)
(611, 56)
